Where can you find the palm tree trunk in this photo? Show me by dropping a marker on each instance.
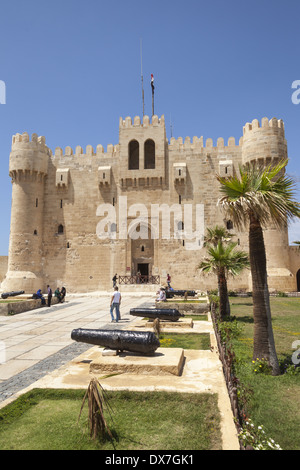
(264, 345)
(227, 302)
(223, 293)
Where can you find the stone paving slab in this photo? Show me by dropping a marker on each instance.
(14, 367)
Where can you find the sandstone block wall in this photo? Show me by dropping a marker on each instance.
(3, 267)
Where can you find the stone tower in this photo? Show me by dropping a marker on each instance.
(266, 145)
(28, 168)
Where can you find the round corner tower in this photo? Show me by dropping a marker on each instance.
(266, 145)
(28, 168)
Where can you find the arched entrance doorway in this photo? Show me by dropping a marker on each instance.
(142, 254)
(298, 280)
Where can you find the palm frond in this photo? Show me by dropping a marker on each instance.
(224, 256)
(96, 403)
(268, 193)
(216, 234)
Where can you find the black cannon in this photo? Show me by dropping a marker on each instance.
(144, 342)
(170, 314)
(5, 295)
(179, 293)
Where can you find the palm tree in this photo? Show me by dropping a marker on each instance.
(216, 234)
(212, 237)
(223, 259)
(255, 198)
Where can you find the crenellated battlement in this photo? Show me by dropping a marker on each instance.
(197, 143)
(25, 139)
(112, 151)
(145, 122)
(264, 142)
(29, 156)
(273, 125)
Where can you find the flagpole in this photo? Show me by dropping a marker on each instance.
(143, 99)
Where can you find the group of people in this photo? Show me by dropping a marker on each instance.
(115, 301)
(162, 296)
(59, 293)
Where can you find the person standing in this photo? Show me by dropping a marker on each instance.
(168, 280)
(49, 295)
(114, 280)
(115, 303)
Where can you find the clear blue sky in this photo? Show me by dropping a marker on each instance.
(72, 68)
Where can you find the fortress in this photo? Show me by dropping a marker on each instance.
(59, 199)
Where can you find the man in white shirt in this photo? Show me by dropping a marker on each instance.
(115, 303)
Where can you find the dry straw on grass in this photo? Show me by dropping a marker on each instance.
(96, 403)
(157, 327)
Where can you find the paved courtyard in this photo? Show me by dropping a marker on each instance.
(36, 351)
(37, 342)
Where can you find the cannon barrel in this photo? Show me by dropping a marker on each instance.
(170, 314)
(180, 293)
(135, 341)
(11, 294)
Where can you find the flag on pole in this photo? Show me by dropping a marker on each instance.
(152, 86)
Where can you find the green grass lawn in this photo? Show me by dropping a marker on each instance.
(47, 420)
(273, 401)
(185, 341)
(181, 301)
(197, 317)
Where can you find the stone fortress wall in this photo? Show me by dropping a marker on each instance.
(56, 199)
(3, 267)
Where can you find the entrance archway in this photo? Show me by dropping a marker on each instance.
(298, 280)
(143, 268)
(142, 254)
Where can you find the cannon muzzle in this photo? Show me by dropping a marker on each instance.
(5, 295)
(179, 293)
